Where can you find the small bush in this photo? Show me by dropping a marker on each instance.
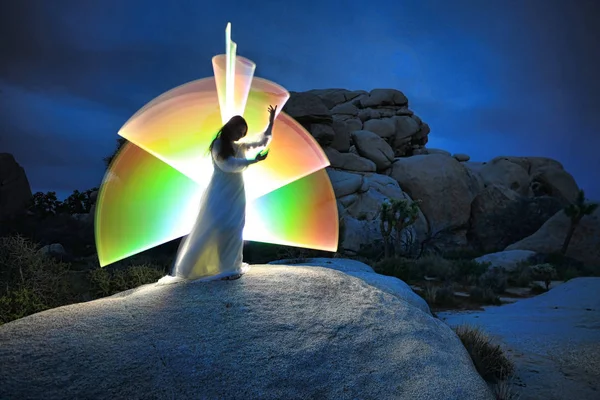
(521, 276)
(19, 303)
(30, 281)
(484, 295)
(545, 273)
(444, 296)
(469, 271)
(462, 254)
(567, 267)
(402, 268)
(503, 390)
(372, 252)
(436, 266)
(106, 282)
(494, 279)
(441, 296)
(536, 288)
(489, 359)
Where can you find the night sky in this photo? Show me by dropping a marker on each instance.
(510, 77)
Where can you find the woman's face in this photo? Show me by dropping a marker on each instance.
(240, 132)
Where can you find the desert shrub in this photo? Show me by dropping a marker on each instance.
(484, 295)
(469, 271)
(536, 288)
(567, 267)
(44, 204)
(29, 280)
(76, 236)
(442, 296)
(462, 254)
(545, 273)
(445, 295)
(107, 282)
(494, 279)
(503, 390)
(524, 279)
(489, 359)
(78, 202)
(521, 276)
(18, 303)
(402, 268)
(437, 266)
(371, 252)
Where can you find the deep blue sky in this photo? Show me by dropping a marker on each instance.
(509, 77)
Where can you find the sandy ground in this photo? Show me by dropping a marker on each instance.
(553, 338)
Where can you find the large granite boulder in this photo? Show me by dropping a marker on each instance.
(442, 184)
(308, 109)
(333, 97)
(507, 260)
(508, 174)
(543, 176)
(349, 161)
(500, 217)
(279, 332)
(584, 245)
(15, 191)
(374, 148)
(384, 97)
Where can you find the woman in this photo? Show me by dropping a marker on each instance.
(213, 249)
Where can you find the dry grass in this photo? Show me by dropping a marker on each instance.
(503, 390)
(489, 359)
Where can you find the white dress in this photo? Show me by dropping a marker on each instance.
(213, 249)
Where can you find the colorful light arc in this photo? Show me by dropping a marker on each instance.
(152, 189)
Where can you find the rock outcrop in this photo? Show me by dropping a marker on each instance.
(15, 191)
(280, 332)
(375, 137)
(500, 217)
(508, 260)
(584, 245)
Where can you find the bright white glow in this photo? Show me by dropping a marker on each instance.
(230, 52)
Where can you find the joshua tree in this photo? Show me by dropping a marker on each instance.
(576, 211)
(386, 224)
(405, 214)
(545, 272)
(396, 215)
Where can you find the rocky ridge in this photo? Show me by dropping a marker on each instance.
(377, 148)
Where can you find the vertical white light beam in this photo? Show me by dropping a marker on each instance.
(230, 52)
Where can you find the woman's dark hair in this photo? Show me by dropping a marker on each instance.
(226, 134)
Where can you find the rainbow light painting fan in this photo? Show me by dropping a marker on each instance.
(152, 189)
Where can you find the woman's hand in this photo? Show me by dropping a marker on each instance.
(271, 111)
(261, 156)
